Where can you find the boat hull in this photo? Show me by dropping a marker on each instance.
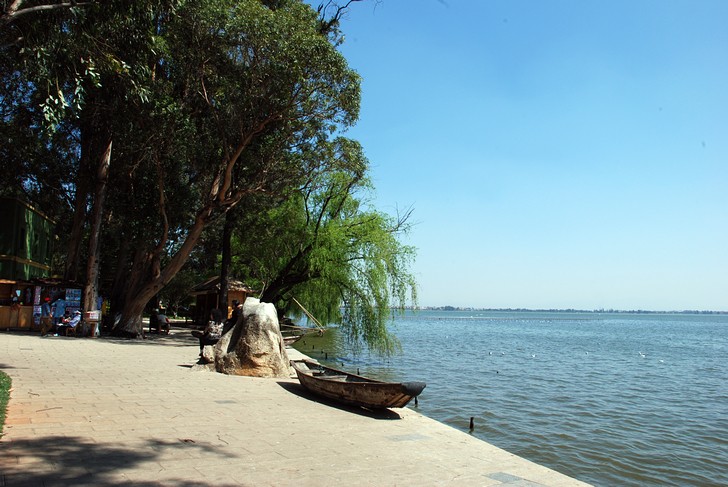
(353, 389)
(291, 339)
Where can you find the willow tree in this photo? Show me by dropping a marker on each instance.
(328, 248)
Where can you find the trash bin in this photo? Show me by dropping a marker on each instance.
(92, 319)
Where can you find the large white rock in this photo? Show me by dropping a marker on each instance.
(254, 346)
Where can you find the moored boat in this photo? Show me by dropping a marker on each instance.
(291, 339)
(353, 389)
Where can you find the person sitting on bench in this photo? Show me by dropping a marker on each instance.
(72, 323)
(212, 332)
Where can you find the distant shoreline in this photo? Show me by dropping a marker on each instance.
(569, 310)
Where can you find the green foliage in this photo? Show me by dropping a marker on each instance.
(211, 105)
(5, 384)
(177, 292)
(327, 248)
(68, 72)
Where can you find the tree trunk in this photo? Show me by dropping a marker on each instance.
(282, 284)
(90, 292)
(130, 325)
(118, 289)
(94, 143)
(143, 283)
(73, 250)
(219, 199)
(227, 257)
(295, 272)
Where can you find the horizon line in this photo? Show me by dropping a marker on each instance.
(568, 310)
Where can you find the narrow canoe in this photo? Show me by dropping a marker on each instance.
(291, 339)
(353, 389)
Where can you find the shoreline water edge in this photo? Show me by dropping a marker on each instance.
(611, 399)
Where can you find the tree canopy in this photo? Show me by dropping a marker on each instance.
(138, 125)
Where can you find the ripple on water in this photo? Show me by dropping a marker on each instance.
(573, 393)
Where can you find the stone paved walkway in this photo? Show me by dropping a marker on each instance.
(115, 412)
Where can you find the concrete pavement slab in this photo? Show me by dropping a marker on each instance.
(119, 412)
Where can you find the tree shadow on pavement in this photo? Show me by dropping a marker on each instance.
(4, 366)
(299, 390)
(73, 461)
(176, 338)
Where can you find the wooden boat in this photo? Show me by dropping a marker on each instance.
(353, 389)
(291, 339)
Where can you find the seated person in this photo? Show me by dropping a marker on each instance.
(71, 323)
(163, 324)
(158, 322)
(212, 332)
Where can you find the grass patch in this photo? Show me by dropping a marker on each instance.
(4, 397)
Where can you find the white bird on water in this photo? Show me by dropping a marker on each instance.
(642, 355)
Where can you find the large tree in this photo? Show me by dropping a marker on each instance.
(205, 102)
(328, 248)
(68, 72)
(250, 83)
(88, 73)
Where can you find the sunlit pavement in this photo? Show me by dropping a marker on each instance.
(103, 411)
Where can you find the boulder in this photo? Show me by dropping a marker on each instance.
(207, 360)
(254, 346)
(208, 354)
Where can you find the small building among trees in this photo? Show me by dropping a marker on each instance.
(26, 239)
(26, 244)
(207, 297)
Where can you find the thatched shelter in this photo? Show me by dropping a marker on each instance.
(207, 297)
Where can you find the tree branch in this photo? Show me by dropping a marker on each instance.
(328, 25)
(15, 10)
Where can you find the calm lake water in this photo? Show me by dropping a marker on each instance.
(611, 399)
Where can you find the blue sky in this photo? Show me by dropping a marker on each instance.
(557, 154)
